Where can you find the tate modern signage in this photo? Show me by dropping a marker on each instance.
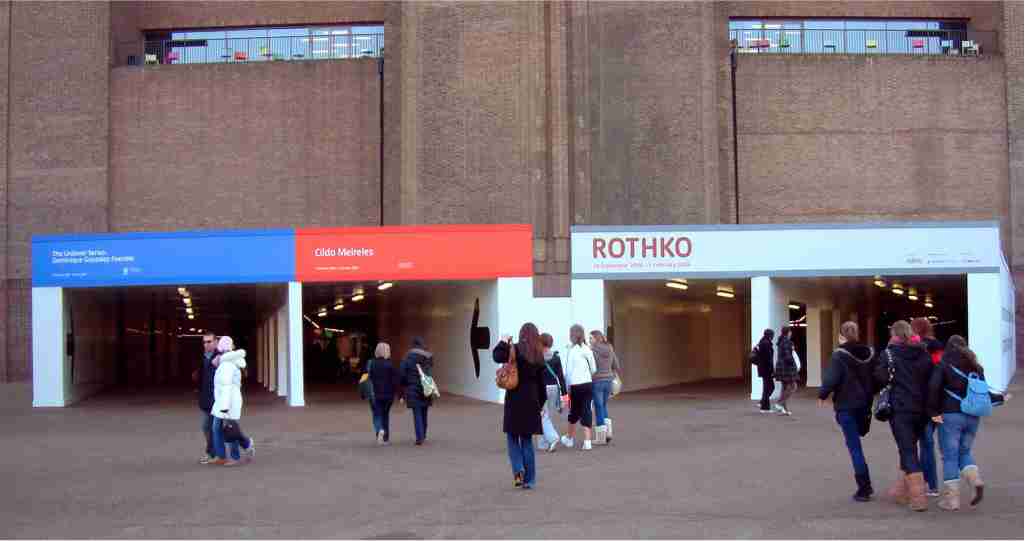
(447, 252)
(627, 252)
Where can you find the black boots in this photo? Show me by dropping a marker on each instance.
(864, 493)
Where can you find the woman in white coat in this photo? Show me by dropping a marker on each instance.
(580, 366)
(228, 403)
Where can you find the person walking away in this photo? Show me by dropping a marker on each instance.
(911, 367)
(417, 359)
(580, 367)
(608, 367)
(521, 417)
(849, 379)
(763, 359)
(228, 403)
(923, 329)
(555, 394)
(949, 389)
(786, 370)
(384, 378)
(204, 376)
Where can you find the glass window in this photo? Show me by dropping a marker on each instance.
(848, 36)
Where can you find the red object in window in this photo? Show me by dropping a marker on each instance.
(241, 55)
(918, 43)
(760, 44)
(171, 57)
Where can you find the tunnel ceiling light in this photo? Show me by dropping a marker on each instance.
(339, 306)
(192, 329)
(384, 286)
(677, 285)
(188, 301)
(181, 291)
(794, 306)
(879, 282)
(192, 316)
(897, 289)
(927, 303)
(357, 297)
(322, 312)
(188, 310)
(725, 292)
(912, 294)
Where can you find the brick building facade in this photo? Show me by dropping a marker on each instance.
(552, 114)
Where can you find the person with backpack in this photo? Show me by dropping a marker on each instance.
(555, 394)
(580, 366)
(905, 367)
(958, 400)
(382, 379)
(521, 417)
(761, 356)
(849, 379)
(417, 364)
(786, 371)
(926, 446)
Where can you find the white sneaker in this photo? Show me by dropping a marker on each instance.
(568, 442)
(552, 447)
(587, 445)
(778, 409)
(252, 448)
(380, 437)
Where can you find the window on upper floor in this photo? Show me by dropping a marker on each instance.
(856, 36)
(263, 44)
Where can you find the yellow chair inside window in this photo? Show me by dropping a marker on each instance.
(871, 44)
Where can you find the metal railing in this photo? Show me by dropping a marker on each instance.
(261, 49)
(864, 42)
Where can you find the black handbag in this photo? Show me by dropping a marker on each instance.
(884, 402)
(231, 430)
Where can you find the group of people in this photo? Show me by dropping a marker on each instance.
(929, 387)
(785, 369)
(545, 387)
(220, 401)
(405, 384)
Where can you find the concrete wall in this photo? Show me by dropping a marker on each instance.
(1013, 49)
(664, 338)
(275, 145)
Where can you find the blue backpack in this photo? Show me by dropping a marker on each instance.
(976, 401)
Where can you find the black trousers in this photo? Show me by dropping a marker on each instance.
(907, 430)
(767, 388)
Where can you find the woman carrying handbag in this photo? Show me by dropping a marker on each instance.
(524, 397)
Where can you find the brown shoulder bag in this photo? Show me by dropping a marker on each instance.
(508, 375)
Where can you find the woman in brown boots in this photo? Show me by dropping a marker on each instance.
(911, 367)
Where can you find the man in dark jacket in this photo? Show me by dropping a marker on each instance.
(409, 379)
(204, 376)
(763, 359)
(849, 379)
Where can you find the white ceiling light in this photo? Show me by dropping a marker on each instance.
(897, 289)
(677, 285)
(188, 301)
(383, 286)
(912, 294)
(357, 297)
(794, 306)
(192, 316)
(725, 292)
(879, 281)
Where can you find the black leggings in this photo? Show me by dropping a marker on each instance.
(580, 404)
(907, 430)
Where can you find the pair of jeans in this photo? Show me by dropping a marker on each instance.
(957, 435)
(768, 386)
(849, 421)
(420, 422)
(521, 456)
(380, 410)
(601, 390)
(219, 443)
(788, 390)
(907, 429)
(927, 454)
(208, 428)
(551, 434)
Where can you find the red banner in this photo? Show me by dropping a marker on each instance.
(432, 252)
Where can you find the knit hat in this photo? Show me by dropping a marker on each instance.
(225, 344)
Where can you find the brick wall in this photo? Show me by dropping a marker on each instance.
(825, 139)
(1013, 47)
(233, 146)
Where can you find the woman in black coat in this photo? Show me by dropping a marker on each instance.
(522, 417)
(786, 370)
(906, 358)
(416, 360)
(384, 378)
(763, 360)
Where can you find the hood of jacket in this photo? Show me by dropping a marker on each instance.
(422, 356)
(236, 357)
(859, 352)
(905, 352)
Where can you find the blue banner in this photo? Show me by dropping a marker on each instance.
(176, 258)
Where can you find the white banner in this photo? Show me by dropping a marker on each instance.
(783, 250)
